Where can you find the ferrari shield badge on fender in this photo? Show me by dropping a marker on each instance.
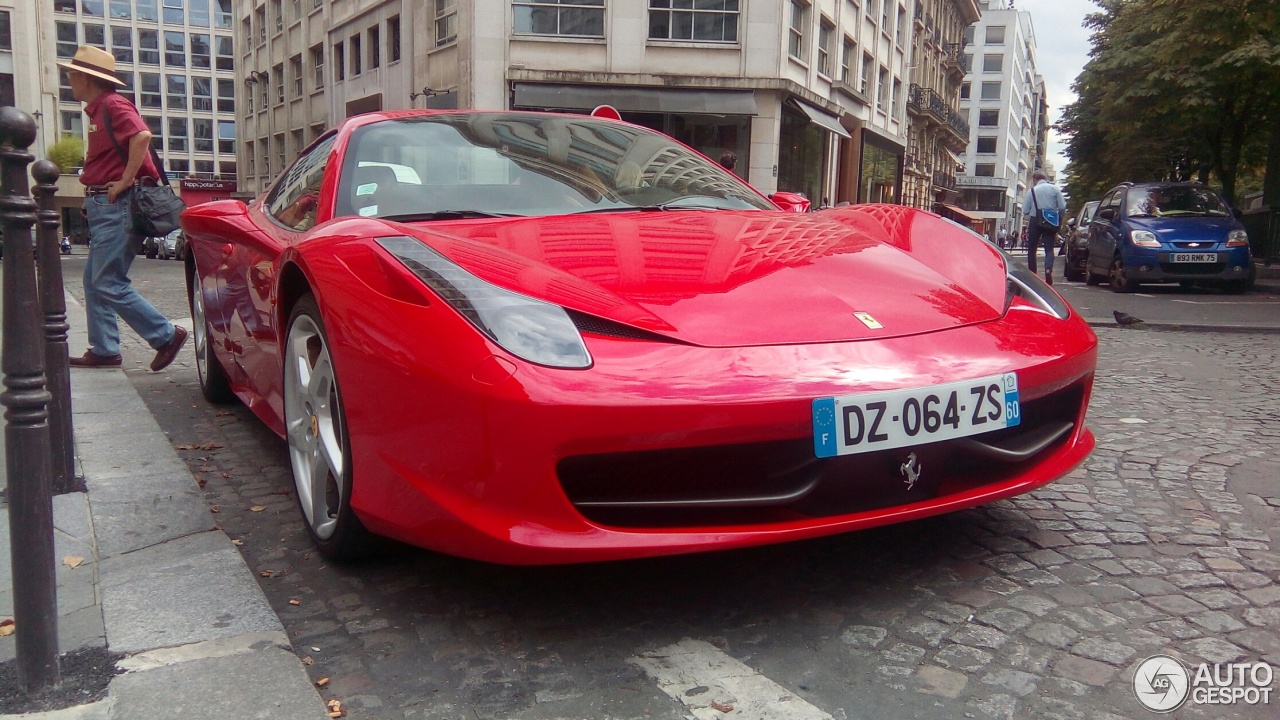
(869, 321)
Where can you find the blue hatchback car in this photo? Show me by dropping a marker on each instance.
(1168, 232)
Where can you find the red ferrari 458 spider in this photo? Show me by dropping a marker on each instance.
(545, 338)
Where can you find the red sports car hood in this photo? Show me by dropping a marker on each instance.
(742, 278)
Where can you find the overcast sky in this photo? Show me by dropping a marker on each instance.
(1062, 48)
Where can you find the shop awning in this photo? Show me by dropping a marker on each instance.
(959, 160)
(636, 99)
(823, 118)
(962, 213)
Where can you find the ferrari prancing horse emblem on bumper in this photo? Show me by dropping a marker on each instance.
(911, 470)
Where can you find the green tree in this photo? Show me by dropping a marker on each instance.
(67, 153)
(1176, 90)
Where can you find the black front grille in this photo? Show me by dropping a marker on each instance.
(783, 480)
(592, 325)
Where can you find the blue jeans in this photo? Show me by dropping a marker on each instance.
(107, 292)
(1037, 236)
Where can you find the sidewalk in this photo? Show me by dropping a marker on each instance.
(158, 581)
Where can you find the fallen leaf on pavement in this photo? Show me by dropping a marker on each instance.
(322, 682)
(72, 561)
(237, 541)
(308, 660)
(267, 573)
(295, 601)
(258, 508)
(722, 707)
(6, 627)
(201, 446)
(222, 413)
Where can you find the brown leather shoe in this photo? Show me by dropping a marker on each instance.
(169, 350)
(90, 359)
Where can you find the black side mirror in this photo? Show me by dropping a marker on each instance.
(1107, 213)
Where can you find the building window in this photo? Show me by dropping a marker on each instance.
(355, 56)
(882, 100)
(172, 11)
(202, 134)
(990, 91)
(68, 39)
(122, 44)
(375, 47)
(201, 93)
(992, 63)
(884, 17)
(226, 52)
(177, 136)
(226, 170)
(984, 170)
(894, 98)
(95, 35)
(825, 28)
(298, 143)
(65, 6)
(968, 35)
(988, 118)
(987, 145)
(175, 49)
(198, 13)
(260, 19)
(901, 37)
(200, 51)
(339, 61)
(295, 70)
(72, 123)
(91, 8)
(795, 34)
(281, 153)
(264, 82)
(447, 21)
(176, 92)
(278, 74)
(968, 62)
(868, 64)
(575, 18)
(317, 66)
(227, 95)
(995, 35)
(65, 93)
(179, 166)
(204, 169)
(151, 97)
(226, 137)
(393, 39)
(222, 14)
(964, 91)
(848, 62)
(714, 21)
(250, 158)
(126, 90)
(278, 11)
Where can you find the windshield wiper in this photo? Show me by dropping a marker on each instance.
(445, 215)
(658, 207)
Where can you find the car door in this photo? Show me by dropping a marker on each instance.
(288, 212)
(1104, 232)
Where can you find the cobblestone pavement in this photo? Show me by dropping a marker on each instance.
(1037, 607)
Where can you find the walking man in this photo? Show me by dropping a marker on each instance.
(1042, 196)
(109, 176)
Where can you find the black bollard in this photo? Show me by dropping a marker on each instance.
(53, 302)
(26, 432)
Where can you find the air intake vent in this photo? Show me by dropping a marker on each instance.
(592, 325)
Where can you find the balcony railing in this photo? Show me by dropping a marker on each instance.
(944, 180)
(926, 100)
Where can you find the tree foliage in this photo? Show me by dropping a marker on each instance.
(1174, 90)
(67, 153)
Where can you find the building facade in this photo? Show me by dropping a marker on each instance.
(810, 96)
(939, 131)
(1004, 99)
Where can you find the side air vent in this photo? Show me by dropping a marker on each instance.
(592, 325)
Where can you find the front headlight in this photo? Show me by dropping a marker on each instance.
(1023, 283)
(1144, 238)
(1237, 238)
(531, 329)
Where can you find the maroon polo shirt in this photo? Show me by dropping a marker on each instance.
(102, 162)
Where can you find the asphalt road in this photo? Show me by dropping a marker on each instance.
(1035, 607)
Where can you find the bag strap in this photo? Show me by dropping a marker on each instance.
(1034, 201)
(124, 156)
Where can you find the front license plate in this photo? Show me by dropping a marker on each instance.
(1193, 257)
(897, 418)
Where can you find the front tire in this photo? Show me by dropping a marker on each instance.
(213, 379)
(1120, 281)
(318, 437)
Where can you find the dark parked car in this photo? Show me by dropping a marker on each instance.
(1076, 241)
(1168, 232)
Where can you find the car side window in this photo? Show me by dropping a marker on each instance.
(294, 200)
(1111, 201)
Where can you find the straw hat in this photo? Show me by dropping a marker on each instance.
(94, 61)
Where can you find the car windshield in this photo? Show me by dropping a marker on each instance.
(459, 165)
(1175, 200)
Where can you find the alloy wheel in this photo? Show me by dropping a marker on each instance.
(313, 426)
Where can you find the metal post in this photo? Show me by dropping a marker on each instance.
(26, 432)
(53, 302)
